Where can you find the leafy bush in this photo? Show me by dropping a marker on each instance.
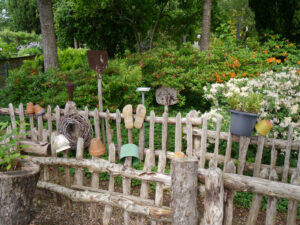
(9, 152)
(19, 44)
(182, 67)
(6, 50)
(19, 38)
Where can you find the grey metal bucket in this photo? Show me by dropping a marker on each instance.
(242, 123)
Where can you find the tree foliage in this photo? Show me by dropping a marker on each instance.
(278, 16)
(23, 15)
(118, 25)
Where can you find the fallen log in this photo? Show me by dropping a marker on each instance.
(42, 149)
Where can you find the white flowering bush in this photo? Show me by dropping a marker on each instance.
(281, 99)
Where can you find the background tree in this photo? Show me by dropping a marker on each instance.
(48, 34)
(278, 16)
(205, 25)
(23, 15)
(4, 15)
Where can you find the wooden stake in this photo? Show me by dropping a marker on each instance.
(287, 155)
(272, 203)
(119, 135)
(214, 196)
(256, 201)
(178, 133)
(244, 143)
(228, 208)
(203, 143)
(151, 137)
(108, 208)
(22, 119)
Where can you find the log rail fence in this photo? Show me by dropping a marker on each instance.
(218, 185)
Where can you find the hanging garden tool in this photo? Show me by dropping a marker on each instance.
(166, 96)
(98, 61)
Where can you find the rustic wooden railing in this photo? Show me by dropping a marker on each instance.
(264, 181)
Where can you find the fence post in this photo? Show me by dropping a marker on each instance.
(184, 191)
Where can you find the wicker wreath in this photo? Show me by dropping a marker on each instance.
(74, 126)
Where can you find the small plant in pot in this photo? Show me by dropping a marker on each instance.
(244, 112)
(18, 179)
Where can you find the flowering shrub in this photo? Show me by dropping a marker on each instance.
(19, 44)
(32, 48)
(281, 98)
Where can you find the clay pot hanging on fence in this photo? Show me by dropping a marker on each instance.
(29, 108)
(130, 150)
(179, 155)
(97, 147)
(38, 110)
(263, 127)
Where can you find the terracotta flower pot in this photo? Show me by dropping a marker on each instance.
(29, 108)
(97, 147)
(179, 155)
(263, 127)
(130, 150)
(38, 110)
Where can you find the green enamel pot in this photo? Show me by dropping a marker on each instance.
(130, 150)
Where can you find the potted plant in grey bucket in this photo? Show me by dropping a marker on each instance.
(18, 179)
(244, 112)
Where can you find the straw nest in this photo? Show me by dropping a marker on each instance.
(74, 126)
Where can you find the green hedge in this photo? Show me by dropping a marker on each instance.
(182, 67)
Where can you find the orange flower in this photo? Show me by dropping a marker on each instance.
(269, 60)
(283, 54)
(298, 62)
(232, 75)
(277, 46)
(287, 40)
(298, 71)
(244, 74)
(265, 51)
(286, 59)
(278, 61)
(292, 44)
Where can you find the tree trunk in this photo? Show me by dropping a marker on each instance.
(48, 34)
(16, 193)
(205, 25)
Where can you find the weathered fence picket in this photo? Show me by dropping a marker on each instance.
(108, 209)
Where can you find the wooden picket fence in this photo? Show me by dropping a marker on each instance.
(266, 180)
